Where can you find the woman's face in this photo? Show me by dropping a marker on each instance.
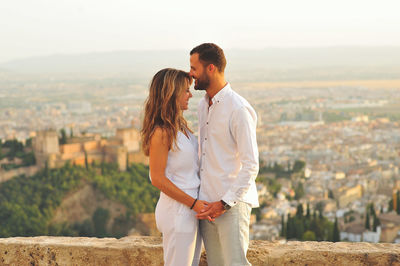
(183, 99)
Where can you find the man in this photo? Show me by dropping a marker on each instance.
(228, 159)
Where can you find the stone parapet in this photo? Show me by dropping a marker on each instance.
(140, 250)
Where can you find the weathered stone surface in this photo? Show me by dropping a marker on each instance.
(148, 251)
(60, 251)
(323, 253)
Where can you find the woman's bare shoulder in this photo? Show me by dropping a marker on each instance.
(159, 135)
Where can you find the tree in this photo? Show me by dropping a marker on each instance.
(288, 166)
(28, 142)
(29, 159)
(308, 211)
(299, 227)
(375, 223)
(63, 139)
(86, 228)
(46, 170)
(289, 229)
(336, 232)
(296, 227)
(372, 209)
(102, 168)
(320, 206)
(299, 212)
(398, 202)
(278, 169)
(309, 236)
(257, 212)
(330, 194)
(298, 166)
(367, 222)
(86, 161)
(390, 205)
(15, 147)
(100, 219)
(283, 228)
(127, 162)
(299, 191)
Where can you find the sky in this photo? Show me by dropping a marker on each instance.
(46, 27)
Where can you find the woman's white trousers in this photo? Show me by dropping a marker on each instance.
(180, 230)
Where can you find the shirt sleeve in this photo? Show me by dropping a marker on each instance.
(243, 129)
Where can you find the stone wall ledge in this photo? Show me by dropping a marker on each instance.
(134, 250)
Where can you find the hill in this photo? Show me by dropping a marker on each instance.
(74, 201)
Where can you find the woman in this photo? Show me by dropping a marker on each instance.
(173, 160)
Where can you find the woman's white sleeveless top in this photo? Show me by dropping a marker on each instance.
(183, 164)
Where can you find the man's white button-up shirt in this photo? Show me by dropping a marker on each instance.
(228, 149)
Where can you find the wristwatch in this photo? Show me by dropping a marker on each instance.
(225, 205)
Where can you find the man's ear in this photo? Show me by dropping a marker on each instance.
(211, 67)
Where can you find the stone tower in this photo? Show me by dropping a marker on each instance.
(45, 145)
(129, 138)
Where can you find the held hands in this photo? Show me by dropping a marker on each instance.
(200, 206)
(211, 211)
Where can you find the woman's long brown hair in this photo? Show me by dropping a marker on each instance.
(162, 108)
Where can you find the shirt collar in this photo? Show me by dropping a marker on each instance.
(220, 95)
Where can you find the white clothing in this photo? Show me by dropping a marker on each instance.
(180, 230)
(228, 149)
(227, 238)
(183, 164)
(176, 221)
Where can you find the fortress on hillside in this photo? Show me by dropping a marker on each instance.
(122, 149)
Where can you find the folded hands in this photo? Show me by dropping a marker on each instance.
(208, 210)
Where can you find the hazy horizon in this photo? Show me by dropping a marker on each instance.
(303, 48)
(45, 27)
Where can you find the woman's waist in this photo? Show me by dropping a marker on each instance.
(193, 192)
(187, 187)
(188, 181)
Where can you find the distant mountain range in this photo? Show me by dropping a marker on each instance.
(146, 63)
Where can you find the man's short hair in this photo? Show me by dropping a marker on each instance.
(210, 53)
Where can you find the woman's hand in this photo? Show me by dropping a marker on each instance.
(200, 206)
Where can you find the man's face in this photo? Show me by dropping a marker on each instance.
(198, 72)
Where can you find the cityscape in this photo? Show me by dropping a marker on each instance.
(329, 147)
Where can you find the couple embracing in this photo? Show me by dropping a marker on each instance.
(207, 183)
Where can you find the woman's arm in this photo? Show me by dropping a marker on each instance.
(158, 156)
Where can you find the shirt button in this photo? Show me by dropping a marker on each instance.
(207, 123)
(205, 138)
(204, 154)
(201, 169)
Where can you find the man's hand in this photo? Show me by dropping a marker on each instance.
(213, 210)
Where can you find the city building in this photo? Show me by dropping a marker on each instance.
(123, 148)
